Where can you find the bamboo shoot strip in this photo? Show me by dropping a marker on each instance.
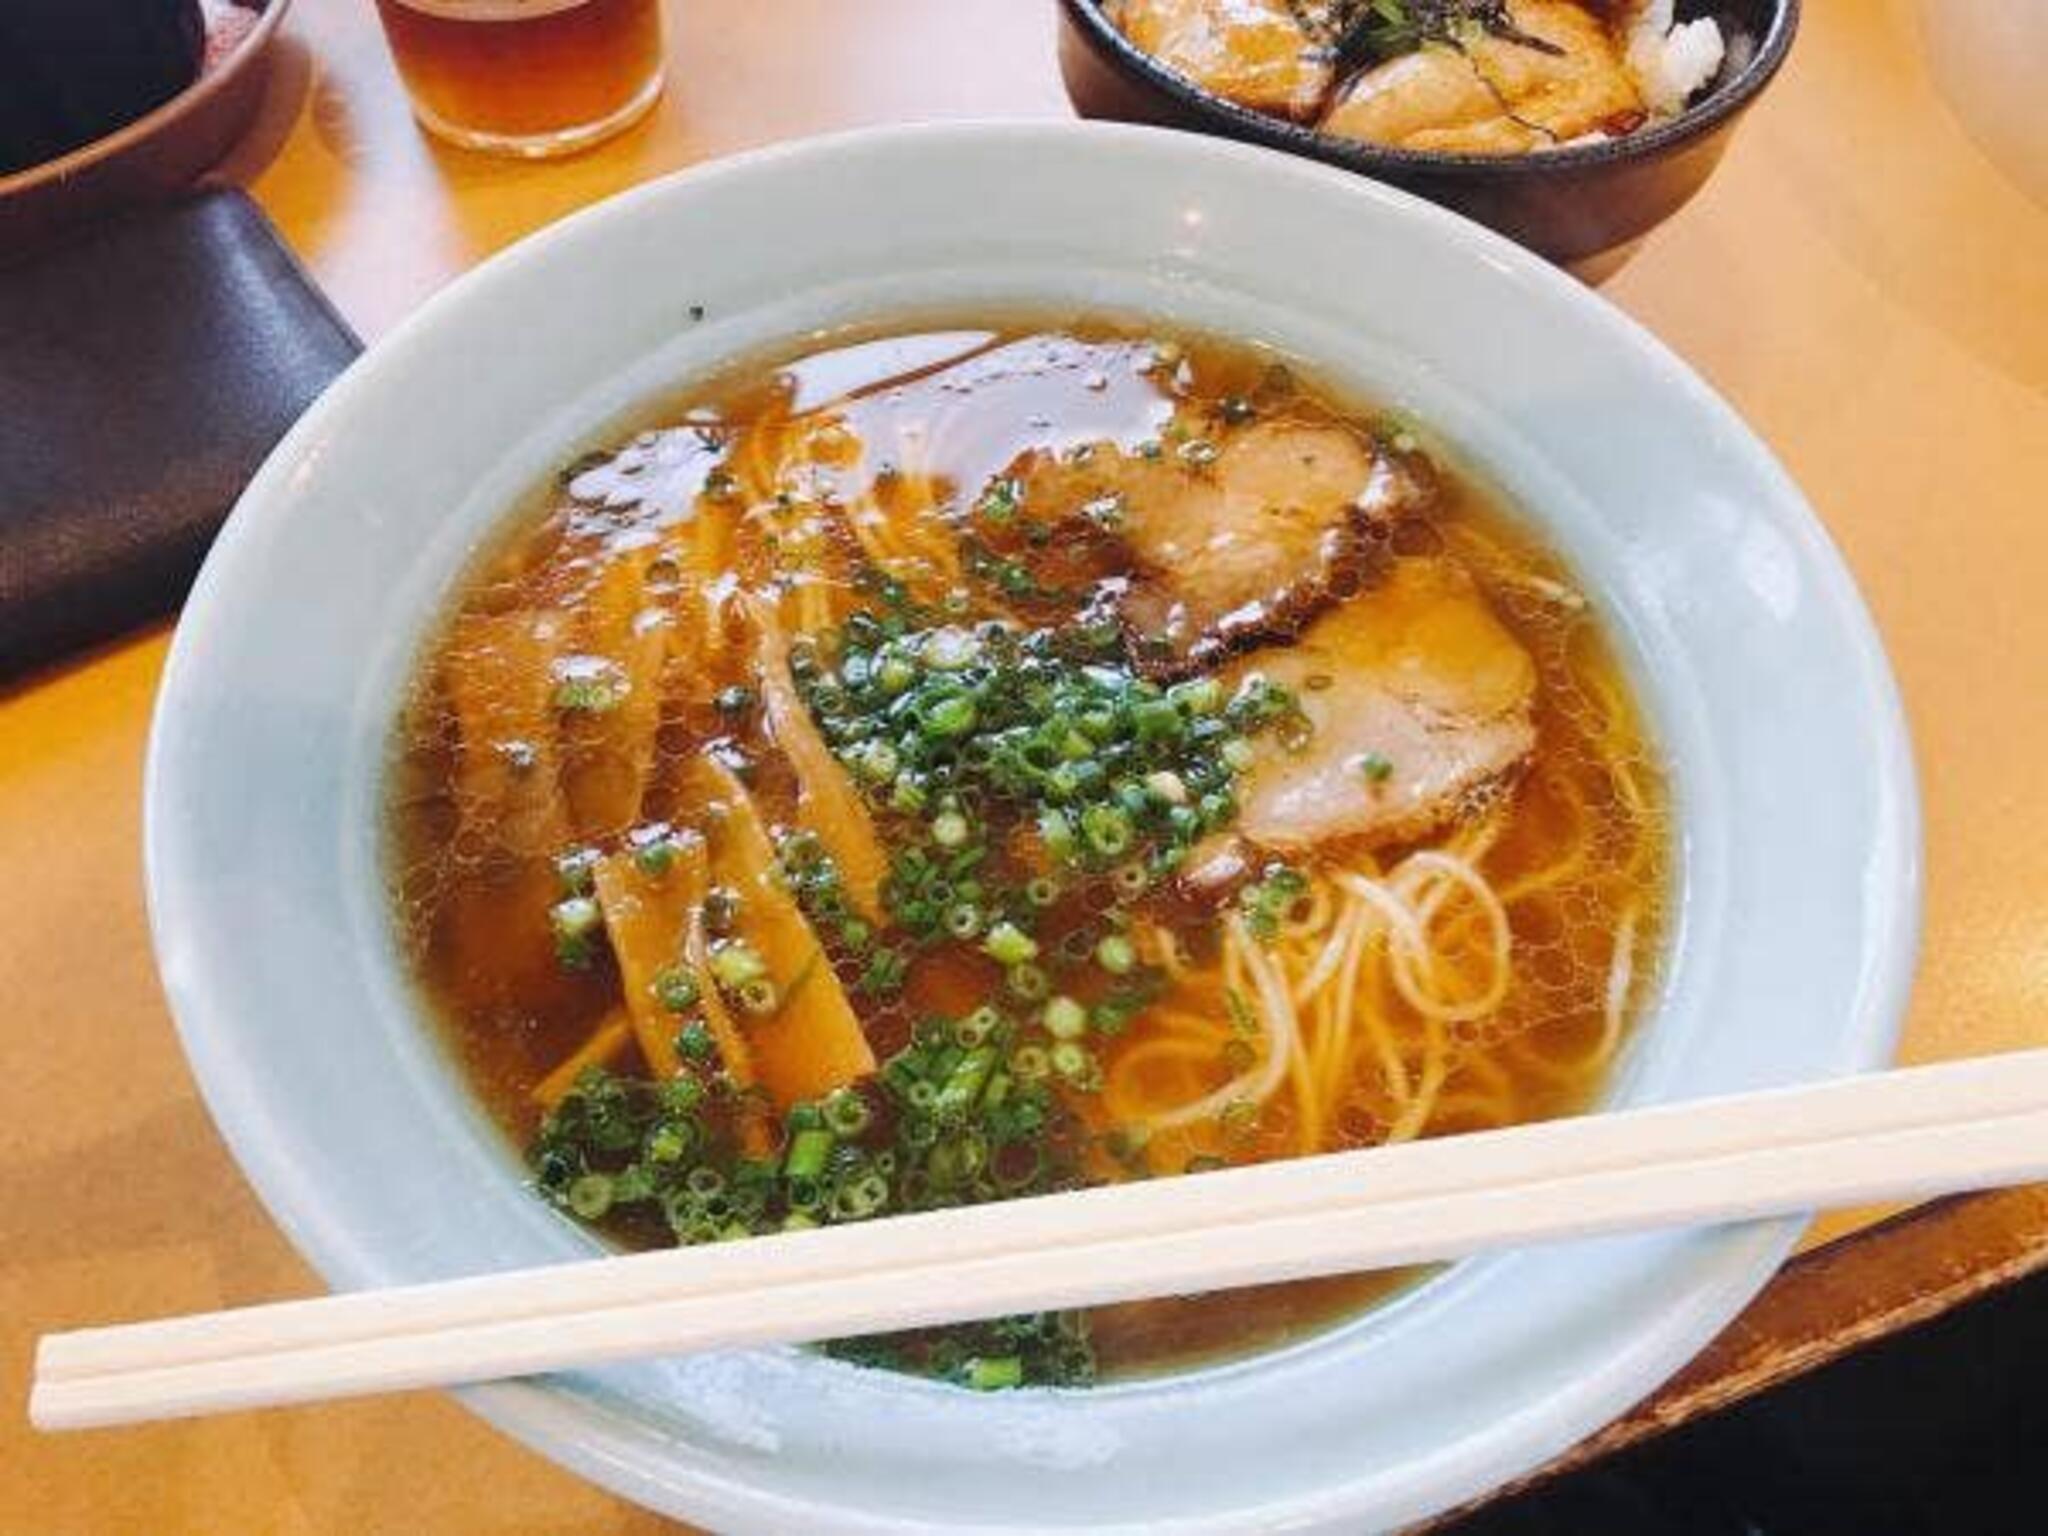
(802, 1034)
(647, 916)
(826, 797)
(604, 1046)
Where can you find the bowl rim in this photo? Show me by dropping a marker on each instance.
(1694, 122)
(584, 1436)
(200, 90)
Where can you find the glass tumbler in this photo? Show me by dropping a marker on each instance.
(526, 77)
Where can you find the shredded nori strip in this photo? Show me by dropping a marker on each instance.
(1383, 29)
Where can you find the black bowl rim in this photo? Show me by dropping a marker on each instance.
(1695, 122)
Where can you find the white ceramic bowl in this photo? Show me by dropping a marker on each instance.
(1799, 845)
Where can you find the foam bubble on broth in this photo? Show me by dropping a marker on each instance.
(859, 472)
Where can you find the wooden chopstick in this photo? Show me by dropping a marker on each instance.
(1913, 1132)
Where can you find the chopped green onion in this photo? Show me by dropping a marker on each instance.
(806, 1116)
(964, 1083)
(735, 964)
(1009, 945)
(877, 762)
(1116, 954)
(1157, 720)
(721, 909)
(860, 1198)
(957, 1160)
(807, 1153)
(999, 502)
(1107, 829)
(590, 685)
(591, 1196)
(759, 996)
(575, 923)
(681, 1095)
(573, 871)
(1376, 767)
(676, 989)
(952, 715)
(894, 674)
(655, 859)
(1057, 832)
(1027, 981)
(694, 1043)
(975, 1029)
(705, 1182)
(1132, 879)
(1168, 786)
(986, 1374)
(884, 972)
(667, 1145)
(846, 1112)
(1268, 902)
(1075, 1063)
(1065, 1019)
(949, 829)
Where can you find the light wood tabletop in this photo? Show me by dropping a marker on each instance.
(1859, 279)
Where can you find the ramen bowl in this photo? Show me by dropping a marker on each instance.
(1796, 909)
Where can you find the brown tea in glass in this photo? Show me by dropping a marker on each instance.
(526, 77)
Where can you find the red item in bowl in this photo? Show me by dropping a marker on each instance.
(227, 24)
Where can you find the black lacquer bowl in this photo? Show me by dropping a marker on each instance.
(1582, 206)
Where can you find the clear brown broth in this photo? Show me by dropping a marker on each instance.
(509, 1014)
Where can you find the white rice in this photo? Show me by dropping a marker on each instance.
(1671, 62)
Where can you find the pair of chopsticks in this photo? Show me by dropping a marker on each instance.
(1915, 1132)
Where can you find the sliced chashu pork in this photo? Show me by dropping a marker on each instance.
(1256, 53)
(1416, 695)
(1492, 94)
(1245, 547)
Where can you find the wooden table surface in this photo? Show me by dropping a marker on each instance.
(1859, 280)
